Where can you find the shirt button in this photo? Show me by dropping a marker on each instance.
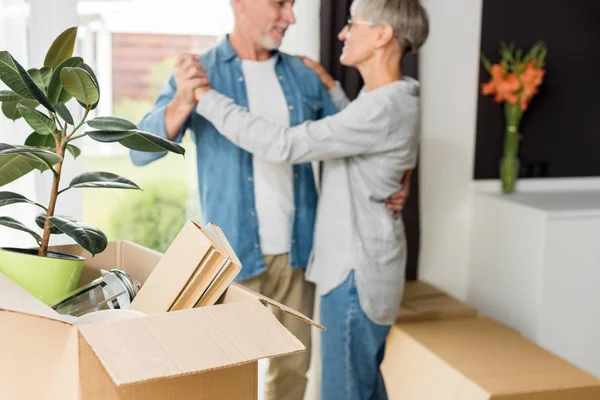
(256, 246)
(253, 214)
(250, 179)
(291, 107)
(238, 59)
(241, 79)
(293, 241)
(280, 77)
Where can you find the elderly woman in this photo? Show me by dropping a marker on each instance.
(359, 251)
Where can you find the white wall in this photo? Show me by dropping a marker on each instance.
(449, 64)
(303, 38)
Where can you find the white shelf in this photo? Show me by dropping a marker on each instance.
(535, 265)
(567, 204)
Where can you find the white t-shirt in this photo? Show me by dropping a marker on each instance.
(273, 185)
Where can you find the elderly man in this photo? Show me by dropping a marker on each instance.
(267, 210)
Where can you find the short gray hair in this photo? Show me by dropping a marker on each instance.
(408, 18)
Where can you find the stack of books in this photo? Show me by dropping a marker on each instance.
(217, 269)
(195, 271)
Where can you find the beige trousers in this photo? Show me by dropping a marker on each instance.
(286, 376)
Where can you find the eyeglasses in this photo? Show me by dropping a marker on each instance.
(351, 22)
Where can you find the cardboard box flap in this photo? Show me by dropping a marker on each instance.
(188, 342)
(282, 307)
(14, 298)
(134, 259)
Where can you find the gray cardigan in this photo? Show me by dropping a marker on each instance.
(366, 148)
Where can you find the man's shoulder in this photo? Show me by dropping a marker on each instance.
(302, 72)
(210, 57)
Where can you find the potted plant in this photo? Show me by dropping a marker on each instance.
(514, 82)
(40, 97)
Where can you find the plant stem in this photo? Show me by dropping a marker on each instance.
(509, 164)
(77, 137)
(87, 111)
(60, 150)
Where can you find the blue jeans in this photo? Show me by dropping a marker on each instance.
(352, 347)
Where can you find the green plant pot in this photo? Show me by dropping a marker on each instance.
(48, 278)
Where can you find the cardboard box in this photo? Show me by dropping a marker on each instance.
(201, 353)
(422, 301)
(477, 359)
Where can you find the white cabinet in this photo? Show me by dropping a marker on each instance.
(535, 265)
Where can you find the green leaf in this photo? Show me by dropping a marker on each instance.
(137, 140)
(9, 108)
(88, 237)
(101, 180)
(36, 75)
(37, 120)
(74, 150)
(486, 63)
(79, 84)
(40, 220)
(14, 224)
(37, 140)
(46, 76)
(16, 162)
(64, 113)
(9, 95)
(17, 79)
(112, 124)
(89, 70)
(8, 198)
(56, 93)
(62, 48)
(10, 75)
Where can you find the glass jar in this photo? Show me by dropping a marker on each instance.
(115, 289)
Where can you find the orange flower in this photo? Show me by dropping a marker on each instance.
(488, 88)
(491, 87)
(513, 80)
(532, 76)
(531, 79)
(508, 89)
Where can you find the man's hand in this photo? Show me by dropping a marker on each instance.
(326, 78)
(200, 91)
(189, 75)
(397, 200)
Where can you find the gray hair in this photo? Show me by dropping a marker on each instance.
(408, 18)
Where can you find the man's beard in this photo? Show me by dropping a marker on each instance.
(269, 43)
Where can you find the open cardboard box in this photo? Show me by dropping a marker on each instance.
(201, 353)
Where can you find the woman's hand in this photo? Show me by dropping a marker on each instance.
(396, 201)
(325, 77)
(189, 75)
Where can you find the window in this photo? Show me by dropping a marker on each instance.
(133, 53)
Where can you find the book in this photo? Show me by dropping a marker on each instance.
(214, 273)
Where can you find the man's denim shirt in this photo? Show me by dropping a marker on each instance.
(225, 172)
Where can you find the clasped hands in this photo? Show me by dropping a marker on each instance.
(193, 83)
